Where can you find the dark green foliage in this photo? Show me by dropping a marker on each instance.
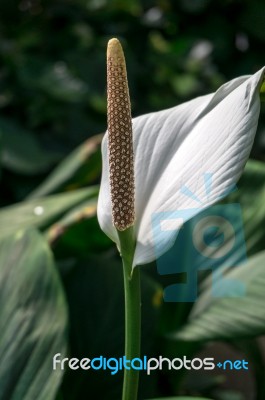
(52, 108)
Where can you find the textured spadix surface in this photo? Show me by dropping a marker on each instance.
(175, 148)
(120, 144)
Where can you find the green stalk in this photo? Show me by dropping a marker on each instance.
(132, 296)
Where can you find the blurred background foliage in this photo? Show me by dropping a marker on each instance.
(52, 74)
(52, 114)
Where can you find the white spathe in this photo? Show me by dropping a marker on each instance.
(212, 134)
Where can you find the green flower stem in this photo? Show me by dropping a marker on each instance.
(132, 294)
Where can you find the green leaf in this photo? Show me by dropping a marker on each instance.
(21, 152)
(33, 318)
(80, 168)
(226, 317)
(42, 212)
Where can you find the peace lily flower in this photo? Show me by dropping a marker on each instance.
(171, 149)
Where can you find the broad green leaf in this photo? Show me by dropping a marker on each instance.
(226, 317)
(33, 318)
(80, 168)
(43, 211)
(21, 152)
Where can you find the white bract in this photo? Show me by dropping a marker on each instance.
(175, 148)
